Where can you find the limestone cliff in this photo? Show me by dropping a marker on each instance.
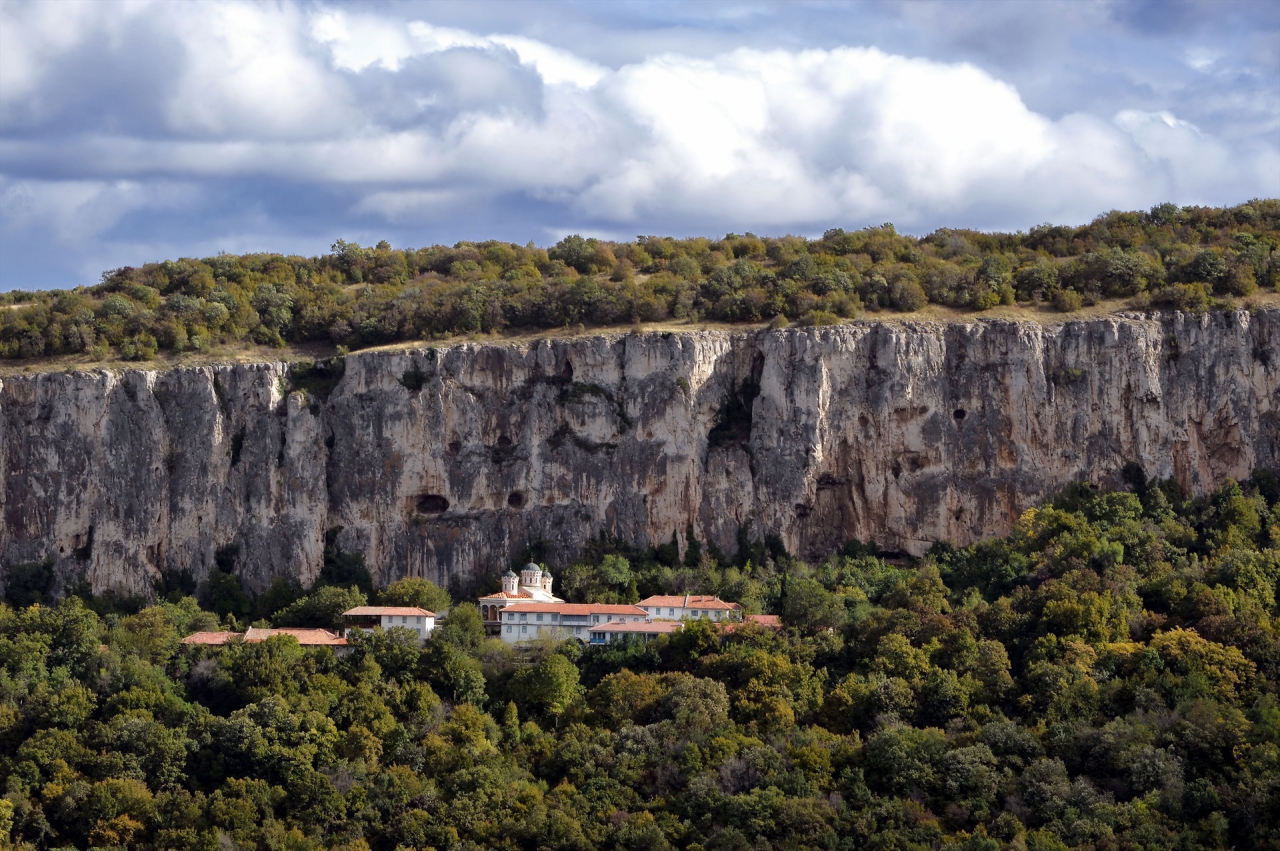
(447, 461)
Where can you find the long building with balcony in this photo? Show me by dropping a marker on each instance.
(679, 607)
(522, 622)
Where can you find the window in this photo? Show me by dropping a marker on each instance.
(511, 616)
(555, 618)
(539, 617)
(524, 629)
(523, 617)
(508, 629)
(671, 612)
(595, 619)
(404, 619)
(417, 620)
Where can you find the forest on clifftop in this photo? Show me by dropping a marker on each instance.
(1105, 677)
(1188, 258)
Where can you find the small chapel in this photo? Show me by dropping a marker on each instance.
(532, 585)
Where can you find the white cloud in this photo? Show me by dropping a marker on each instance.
(420, 119)
(359, 41)
(78, 210)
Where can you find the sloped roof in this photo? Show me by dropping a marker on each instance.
(377, 611)
(578, 608)
(210, 638)
(503, 595)
(687, 601)
(305, 636)
(768, 621)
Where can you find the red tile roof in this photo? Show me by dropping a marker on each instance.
(503, 595)
(689, 601)
(210, 638)
(305, 637)
(377, 611)
(768, 621)
(578, 608)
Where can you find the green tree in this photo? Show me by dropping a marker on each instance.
(547, 688)
(322, 608)
(463, 628)
(415, 592)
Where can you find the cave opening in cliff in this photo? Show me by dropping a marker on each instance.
(515, 499)
(432, 503)
(959, 414)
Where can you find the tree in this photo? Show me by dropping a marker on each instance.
(264, 669)
(29, 583)
(322, 608)
(463, 628)
(812, 608)
(415, 592)
(549, 687)
(626, 698)
(697, 704)
(575, 251)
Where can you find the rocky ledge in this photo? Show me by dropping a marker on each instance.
(446, 462)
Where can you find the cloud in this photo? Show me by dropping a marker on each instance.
(413, 123)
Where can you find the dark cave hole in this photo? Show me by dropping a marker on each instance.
(515, 499)
(432, 503)
(958, 413)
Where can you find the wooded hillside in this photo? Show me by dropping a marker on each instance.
(1187, 258)
(1103, 678)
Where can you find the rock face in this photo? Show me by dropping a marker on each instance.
(447, 462)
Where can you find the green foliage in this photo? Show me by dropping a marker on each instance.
(463, 628)
(29, 583)
(322, 608)
(415, 592)
(357, 296)
(1103, 677)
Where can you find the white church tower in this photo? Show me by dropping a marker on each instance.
(533, 585)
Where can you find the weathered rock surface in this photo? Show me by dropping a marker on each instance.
(447, 462)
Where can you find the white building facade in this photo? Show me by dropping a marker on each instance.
(533, 585)
(521, 622)
(413, 618)
(679, 607)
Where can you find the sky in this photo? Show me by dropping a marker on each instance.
(140, 130)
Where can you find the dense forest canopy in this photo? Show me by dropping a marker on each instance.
(1105, 677)
(1188, 258)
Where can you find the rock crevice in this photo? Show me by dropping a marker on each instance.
(447, 462)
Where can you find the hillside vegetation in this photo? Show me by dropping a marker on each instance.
(1187, 258)
(1103, 678)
